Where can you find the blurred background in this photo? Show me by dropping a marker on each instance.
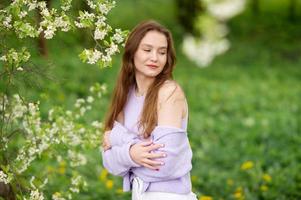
(244, 105)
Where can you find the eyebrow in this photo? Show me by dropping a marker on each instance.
(148, 45)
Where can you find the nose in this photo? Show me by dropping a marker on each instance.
(154, 56)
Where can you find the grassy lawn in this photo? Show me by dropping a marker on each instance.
(244, 109)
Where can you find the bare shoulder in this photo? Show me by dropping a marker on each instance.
(171, 104)
(170, 91)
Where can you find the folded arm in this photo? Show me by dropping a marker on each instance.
(178, 160)
(171, 109)
(117, 159)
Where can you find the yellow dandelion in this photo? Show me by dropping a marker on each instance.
(119, 191)
(247, 165)
(194, 178)
(61, 170)
(238, 194)
(103, 175)
(205, 198)
(264, 188)
(267, 178)
(109, 184)
(230, 181)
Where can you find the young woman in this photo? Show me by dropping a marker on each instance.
(145, 138)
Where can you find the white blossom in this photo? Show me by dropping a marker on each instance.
(7, 21)
(36, 195)
(112, 49)
(49, 32)
(3, 58)
(82, 111)
(76, 159)
(64, 25)
(99, 34)
(100, 21)
(94, 56)
(118, 36)
(226, 9)
(4, 178)
(32, 5)
(90, 99)
(42, 5)
(103, 8)
(91, 4)
(79, 102)
(203, 52)
(97, 124)
(45, 12)
(106, 58)
(22, 14)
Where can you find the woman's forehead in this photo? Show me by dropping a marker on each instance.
(154, 39)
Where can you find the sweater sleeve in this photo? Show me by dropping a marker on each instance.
(117, 159)
(120, 135)
(179, 155)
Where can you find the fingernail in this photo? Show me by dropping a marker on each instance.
(164, 155)
(162, 163)
(162, 145)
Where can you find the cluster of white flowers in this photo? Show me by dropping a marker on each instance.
(16, 58)
(36, 195)
(4, 178)
(76, 159)
(62, 126)
(204, 51)
(226, 9)
(97, 124)
(60, 129)
(100, 34)
(118, 37)
(7, 22)
(212, 24)
(53, 20)
(66, 5)
(77, 181)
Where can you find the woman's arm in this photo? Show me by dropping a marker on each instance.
(171, 105)
(169, 132)
(118, 159)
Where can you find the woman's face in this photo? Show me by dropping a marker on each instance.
(151, 55)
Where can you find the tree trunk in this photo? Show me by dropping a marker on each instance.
(255, 7)
(292, 10)
(42, 43)
(6, 192)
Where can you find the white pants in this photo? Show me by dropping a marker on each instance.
(137, 193)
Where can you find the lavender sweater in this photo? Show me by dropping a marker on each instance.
(173, 176)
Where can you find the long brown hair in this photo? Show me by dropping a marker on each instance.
(126, 78)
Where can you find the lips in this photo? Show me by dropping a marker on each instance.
(152, 66)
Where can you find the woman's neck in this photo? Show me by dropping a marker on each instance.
(143, 83)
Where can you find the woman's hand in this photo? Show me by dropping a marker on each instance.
(106, 141)
(141, 153)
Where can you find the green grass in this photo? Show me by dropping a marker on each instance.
(244, 107)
